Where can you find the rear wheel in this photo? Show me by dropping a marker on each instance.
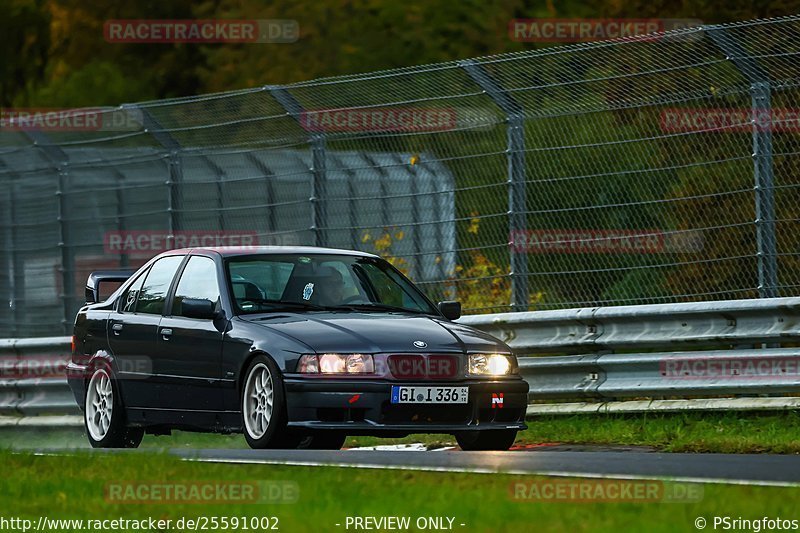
(499, 439)
(264, 407)
(104, 417)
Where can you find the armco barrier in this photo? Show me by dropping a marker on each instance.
(663, 347)
(726, 348)
(28, 394)
(670, 326)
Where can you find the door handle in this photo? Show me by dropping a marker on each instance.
(166, 333)
(116, 328)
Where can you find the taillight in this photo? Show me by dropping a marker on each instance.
(73, 345)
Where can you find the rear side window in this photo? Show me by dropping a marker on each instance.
(199, 280)
(154, 292)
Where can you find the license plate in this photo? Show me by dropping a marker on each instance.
(401, 394)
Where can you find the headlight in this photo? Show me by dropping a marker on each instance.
(494, 364)
(336, 363)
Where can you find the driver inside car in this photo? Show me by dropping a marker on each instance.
(330, 288)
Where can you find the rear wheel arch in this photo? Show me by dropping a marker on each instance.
(100, 359)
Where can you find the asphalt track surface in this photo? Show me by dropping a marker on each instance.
(753, 469)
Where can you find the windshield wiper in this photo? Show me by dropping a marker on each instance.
(290, 305)
(379, 307)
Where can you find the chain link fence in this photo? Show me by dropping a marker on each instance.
(651, 169)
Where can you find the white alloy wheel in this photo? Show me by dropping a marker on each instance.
(258, 401)
(99, 405)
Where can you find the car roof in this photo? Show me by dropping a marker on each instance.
(233, 251)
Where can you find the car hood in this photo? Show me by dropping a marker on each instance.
(378, 332)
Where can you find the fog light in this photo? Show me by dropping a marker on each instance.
(492, 364)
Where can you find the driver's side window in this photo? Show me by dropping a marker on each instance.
(198, 281)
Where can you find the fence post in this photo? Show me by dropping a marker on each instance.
(517, 219)
(318, 163)
(764, 187)
(220, 184)
(122, 224)
(14, 264)
(268, 176)
(60, 160)
(14, 279)
(175, 180)
(67, 261)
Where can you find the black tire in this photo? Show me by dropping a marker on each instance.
(117, 434)
(328, 440)
(496, 439)
(276, 435)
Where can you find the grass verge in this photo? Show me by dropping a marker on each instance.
(76, 487)
(731, 432)
(774, 432)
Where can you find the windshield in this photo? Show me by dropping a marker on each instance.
(321, 282)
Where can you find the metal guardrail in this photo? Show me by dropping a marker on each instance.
(35, 395)
(731, 322)
(733, 343)
(728, 332)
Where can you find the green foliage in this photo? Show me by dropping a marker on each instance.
(45, 41)
(56, 56)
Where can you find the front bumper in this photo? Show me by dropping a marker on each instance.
(364, 407)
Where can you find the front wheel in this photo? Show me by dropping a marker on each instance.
(264, 407)
(104, 416)
(499, 439)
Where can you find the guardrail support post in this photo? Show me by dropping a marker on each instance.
(517, 219)
(318, 164)
(764, 188)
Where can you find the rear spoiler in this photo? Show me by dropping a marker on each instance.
(102, 276)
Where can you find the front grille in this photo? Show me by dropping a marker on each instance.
(414, 367)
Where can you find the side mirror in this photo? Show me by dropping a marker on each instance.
(450, 310)
(198, 308)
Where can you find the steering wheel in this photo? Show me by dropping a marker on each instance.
(351, 299)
